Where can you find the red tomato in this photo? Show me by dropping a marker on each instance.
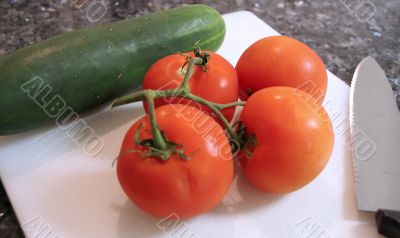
(219, 84)
(294, 139)
(184, 187)
(281, 61)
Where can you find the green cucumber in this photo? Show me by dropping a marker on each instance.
(83, 69)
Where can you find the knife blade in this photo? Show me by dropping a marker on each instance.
(375, 143)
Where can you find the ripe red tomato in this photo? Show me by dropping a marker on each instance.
(219, 84)
(294, 139)
(281, 61)
(184, 187)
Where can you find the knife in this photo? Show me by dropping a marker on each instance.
(375, 144)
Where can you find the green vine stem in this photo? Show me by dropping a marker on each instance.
(188, 74)
(183, 91)
(159, 140)
(179, 92)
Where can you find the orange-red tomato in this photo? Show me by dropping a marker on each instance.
(281, 61)
(184, 187)
(219, 84)
(294, 139)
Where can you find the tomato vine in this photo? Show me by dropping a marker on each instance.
(160, 146)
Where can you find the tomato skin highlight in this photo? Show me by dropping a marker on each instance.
(281, 61)
(219, 84)
(184, 187)
(294, 139)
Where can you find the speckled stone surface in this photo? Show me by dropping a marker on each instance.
(342, 33)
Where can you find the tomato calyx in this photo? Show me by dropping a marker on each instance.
(203, 55)
(153, 151)
(199, 54)
(159, 146)
(246, 142)
(248, 148)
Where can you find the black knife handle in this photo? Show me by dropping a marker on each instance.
(388, 223)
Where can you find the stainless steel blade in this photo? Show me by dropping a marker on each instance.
(375, 138)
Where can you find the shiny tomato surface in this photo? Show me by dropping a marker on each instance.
(281, 61)
(218, 84)
(292, 139)
(184, 187)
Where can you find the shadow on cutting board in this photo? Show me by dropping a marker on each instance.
(101, 120)
(24, 152)
(243, 197)
(92, 204)
(133, 222)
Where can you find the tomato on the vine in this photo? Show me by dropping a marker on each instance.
(290, 139)
(216, 83)
(281, 61)
(184, 187)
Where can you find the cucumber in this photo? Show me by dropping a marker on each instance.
(80, 70)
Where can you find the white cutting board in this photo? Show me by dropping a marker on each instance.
(56, 189)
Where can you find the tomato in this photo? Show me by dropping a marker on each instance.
(184, 187)
(219, 84)
(281, 61)
(293, 139)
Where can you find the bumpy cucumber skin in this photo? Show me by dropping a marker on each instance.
(89, 67)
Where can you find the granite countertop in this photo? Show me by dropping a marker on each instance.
(342, 34)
